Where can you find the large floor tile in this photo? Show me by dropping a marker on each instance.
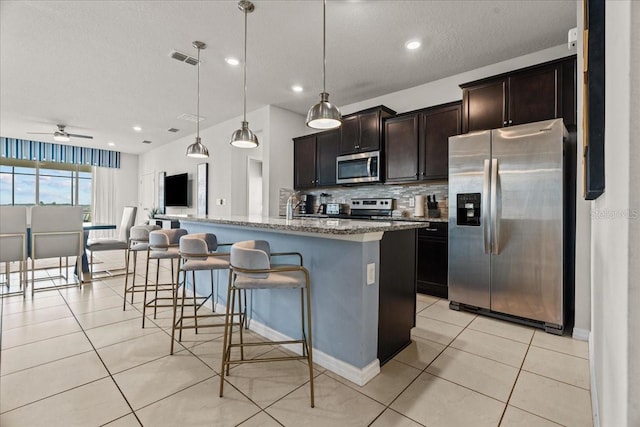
(118, 332)
(435, 330)
(88, 305)
(31, 317)
(441, 311)
(559, 366)
(128, 354)
(553, 400)
(108, 316)
(17, 304)
(335, 404)
(492, 347)
(199, 405)
(391, 418)
(38, 332)
(502, 329)
(45, 351)
(387, 385)
(266, 382)
(563, 344)
(419, 353)
(514, 417)
(160, 378)
(23, 387)
(90, 405)
(483, 375)
(434, 402)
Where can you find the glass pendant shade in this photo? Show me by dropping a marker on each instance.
(244, 137)
(197, 150)
(324, 115)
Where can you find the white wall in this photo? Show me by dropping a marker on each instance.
(612, 244)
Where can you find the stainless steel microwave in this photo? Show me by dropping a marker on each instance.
(355, 168)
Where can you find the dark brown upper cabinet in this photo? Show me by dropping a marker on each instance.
(417, 143)
(362, 131)
(314, 159)
(541, 92)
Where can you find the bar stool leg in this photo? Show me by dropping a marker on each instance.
(126, 281)
(155, 301)
(146, 287)
(195, 302)
(175, 307)
(309, 341)
(133, 279)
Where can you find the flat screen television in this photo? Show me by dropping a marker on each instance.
(176, 189)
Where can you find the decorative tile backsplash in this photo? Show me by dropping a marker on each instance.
(403, 196)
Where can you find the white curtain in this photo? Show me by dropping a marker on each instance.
(103, 203)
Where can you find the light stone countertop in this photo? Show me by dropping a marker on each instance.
(305, 225)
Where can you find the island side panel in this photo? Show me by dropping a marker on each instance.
(397, 306)
(344, 307)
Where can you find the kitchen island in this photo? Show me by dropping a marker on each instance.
(362, 285)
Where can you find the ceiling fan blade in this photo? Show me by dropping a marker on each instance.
(40, 133)
(75, 135)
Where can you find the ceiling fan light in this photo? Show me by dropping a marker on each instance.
(244, 137)
(324, 115)
(197, 150)
(61, 138)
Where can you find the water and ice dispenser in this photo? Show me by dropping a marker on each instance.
(468, 209)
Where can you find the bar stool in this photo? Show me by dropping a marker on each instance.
(251, 268)
(13, 246)
(163, 244)
(138, 242)
(197, 253)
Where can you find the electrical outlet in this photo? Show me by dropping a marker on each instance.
(371, 273)
(412, 202)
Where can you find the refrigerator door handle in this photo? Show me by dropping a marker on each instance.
(485, 207)
(496, 200)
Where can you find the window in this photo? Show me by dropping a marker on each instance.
(26, 182)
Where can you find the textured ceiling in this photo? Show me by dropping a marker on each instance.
(101, 67)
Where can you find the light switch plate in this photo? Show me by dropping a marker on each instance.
(371, 273)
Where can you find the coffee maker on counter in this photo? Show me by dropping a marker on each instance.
(324, 199)
(307, 203)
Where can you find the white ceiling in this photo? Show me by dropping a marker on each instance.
(101, 67)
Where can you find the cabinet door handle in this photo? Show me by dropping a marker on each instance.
(510, 122)
(504, 123)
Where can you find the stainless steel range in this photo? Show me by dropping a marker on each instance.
(367, 208)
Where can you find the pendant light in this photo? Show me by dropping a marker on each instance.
(196, 149)
(244, 137)
(324, 115)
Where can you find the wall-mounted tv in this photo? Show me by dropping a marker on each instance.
(176, 190)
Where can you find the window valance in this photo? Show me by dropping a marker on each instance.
(44, 151)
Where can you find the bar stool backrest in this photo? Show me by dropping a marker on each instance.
(251, 255)
(128, 219)
(160, 240)
(56, 231)
(13, 233)
(196, 244)
(140, 233)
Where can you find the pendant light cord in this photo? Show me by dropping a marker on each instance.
(324, 45)
(245, 65)
(198, 106)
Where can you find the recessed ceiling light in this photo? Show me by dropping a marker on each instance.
(412, 44)
(231, 61)
(297, 88)
(111, 144)
(137, 128)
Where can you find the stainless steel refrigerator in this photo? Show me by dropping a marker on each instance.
(506, 224)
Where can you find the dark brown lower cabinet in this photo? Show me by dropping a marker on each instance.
(433, 259)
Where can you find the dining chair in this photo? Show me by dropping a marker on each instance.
(119, 244)
(56, 231)
(13, 246)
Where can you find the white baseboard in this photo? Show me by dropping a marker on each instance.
(594, 388)
(581, 334)
(359, 376)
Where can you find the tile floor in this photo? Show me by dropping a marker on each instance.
(73, 357)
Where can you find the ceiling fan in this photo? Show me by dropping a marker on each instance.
(61, 135)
